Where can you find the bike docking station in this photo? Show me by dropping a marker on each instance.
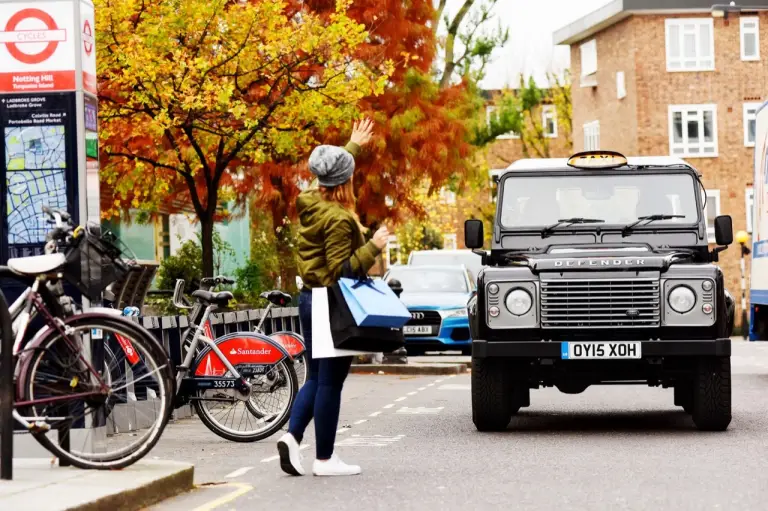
(48, 116)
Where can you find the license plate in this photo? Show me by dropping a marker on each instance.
(600, 350)
(417, 330)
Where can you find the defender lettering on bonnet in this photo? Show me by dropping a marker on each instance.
(568, 263)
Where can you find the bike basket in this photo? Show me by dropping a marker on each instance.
(96, 261)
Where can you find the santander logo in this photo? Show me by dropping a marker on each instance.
(241, 351)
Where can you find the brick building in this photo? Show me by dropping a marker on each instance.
(658, 77)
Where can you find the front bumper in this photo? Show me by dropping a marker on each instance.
(542, 349)
(451, 332)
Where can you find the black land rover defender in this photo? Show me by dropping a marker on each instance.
(600, 272)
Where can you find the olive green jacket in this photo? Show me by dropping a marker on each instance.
(328, 237)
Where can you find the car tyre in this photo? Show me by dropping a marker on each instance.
(712, 394)
(493, 399)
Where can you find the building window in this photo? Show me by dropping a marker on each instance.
(713, 210)
(690, 44)
(549, 121)
(749, 199)
(447, 196)
(693, 130)
(392, 252)
(592, 136)
(449, 242)
(750, 38)
(489, 115)
(589, 64)
(750, 124)
(621, 85)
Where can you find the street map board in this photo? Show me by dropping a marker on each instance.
(39, 166)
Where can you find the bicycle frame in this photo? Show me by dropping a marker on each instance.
(191, 352)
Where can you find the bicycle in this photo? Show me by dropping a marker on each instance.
(60, 381)
(237, 368)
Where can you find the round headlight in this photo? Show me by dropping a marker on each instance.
(519, 302)
(682, 299)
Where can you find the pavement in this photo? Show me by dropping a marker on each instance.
(39, 486)
(609, 448)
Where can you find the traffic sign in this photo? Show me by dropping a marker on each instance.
(37, 46)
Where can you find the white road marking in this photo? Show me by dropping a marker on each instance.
(454, 387)
(238, 472)
(401, 398)
(368, 441)
(342, 430)
(439, 381)
(411, 393)
(374, 414)
(361, 421)
(422, 388)
(274, 458)
(420, 410)
(431, 385)
(390, 405)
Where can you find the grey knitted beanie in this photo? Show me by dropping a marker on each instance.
(332, 165)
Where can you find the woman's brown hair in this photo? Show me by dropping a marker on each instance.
(344, 195)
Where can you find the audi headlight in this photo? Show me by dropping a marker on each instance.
(519, 302)
(453, 313)
(681, 299)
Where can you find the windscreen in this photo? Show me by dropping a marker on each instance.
(430, 281)
(438, 257)
(617, 199)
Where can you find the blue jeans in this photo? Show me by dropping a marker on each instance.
(320, 397)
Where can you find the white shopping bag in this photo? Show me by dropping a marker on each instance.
(322, 340)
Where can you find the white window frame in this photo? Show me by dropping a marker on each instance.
(549, 111)
(588, 71)
(488, 111)
(452, 239)
(591, 134)
(712, 195)
(621, 85)
(698, 23)
(749, 30)
(683, 110)
(746, 118)
(749, 201)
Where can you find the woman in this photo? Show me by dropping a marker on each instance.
(330, 235)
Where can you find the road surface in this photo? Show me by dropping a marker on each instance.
(609, 448)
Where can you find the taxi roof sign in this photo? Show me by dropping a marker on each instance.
(597, 160)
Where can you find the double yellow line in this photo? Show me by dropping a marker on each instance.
(240, 490)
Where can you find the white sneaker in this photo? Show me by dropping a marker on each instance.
(334, 467)
(290, 456)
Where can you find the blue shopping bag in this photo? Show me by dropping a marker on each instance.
(373, 303)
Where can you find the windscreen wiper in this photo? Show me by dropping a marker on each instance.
(547, 231)
(647, 219)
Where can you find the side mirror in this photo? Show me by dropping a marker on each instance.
(474, 237)
(723, 230)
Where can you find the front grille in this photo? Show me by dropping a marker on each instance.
(611, 303)
(430, 318)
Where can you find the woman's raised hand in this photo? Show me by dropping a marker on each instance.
(362, 132)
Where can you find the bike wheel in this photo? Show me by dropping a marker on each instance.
(300, 365)
(101, 417)
(227, 412)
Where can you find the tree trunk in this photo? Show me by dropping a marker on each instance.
(206, 231)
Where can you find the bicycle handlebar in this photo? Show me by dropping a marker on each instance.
(215, 281)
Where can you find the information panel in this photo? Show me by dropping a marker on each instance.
(40, 160)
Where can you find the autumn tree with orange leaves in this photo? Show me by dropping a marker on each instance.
(196, 96)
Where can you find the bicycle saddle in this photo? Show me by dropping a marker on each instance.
(221, 299)
(277, 298)
(37, 265)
